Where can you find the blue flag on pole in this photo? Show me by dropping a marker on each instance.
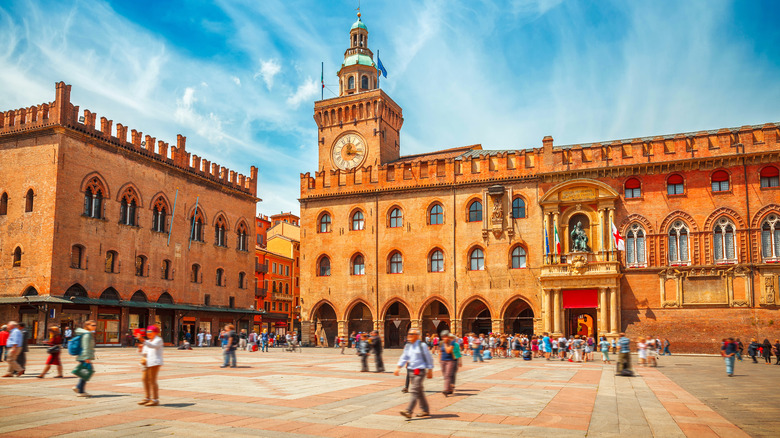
(546, 243)
(381, 67)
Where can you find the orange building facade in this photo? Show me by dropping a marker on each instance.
(521, 241)
(128, 233)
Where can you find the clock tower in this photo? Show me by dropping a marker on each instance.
(361, 127)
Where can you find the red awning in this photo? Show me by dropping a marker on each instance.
(580, 298)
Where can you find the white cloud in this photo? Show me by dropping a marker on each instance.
(305, 92)
(268, 70)
(236, 80)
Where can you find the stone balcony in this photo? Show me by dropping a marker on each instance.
(581, 270)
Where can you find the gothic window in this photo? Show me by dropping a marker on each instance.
(220, 277)
(127, 207)
(675, 185)
(93, 198)
(770, 177)
(358, 265)
(635, 247)
(196, 225)
(159, 215)
(323, 267)
(4, 204)
(475, 211)
(358, 221)
(195, 276)
(678, 244)
(324, 223)
(351, 83)
(219, 232)
(720, 181)
(111, 261)
(77, 256)
(477, 260)
(140, 266)
(17, 257)
(518, 208)
(770, 239)
(28, 201)
(436, 261)
(396, 218)
(518, 257)
(723, 242)
(396, 263)
(364, 82)
(436, 214)
(165, 269)
(633, 188)
(242, 242)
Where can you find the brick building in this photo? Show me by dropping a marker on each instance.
(459, 238)
(127, 233)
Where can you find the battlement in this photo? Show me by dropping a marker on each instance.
(475, 165)
(61, 112)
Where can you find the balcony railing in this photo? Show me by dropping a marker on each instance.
(592, 268)
(261, 292)
(261, 268)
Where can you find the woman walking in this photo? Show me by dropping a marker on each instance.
(767, 351)
(753, 350)
(642, 350)
(152, 351)
(777, 351)
(604, 346)
(54, 343)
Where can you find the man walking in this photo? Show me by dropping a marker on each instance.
(363, 350)
(14, 346)
(376, 346)
(729, 353)
(264, 341)
(417, 359)
(242, 339)
(22, 359)
(66, 336)
(230, 347)
(624, 356)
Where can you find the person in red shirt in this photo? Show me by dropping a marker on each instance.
(3, 339)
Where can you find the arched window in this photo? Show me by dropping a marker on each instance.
(633, 188)
(720, 181)
(477, 260)
(196, 225)
(112, 259)
(165, 269)
(678, 244)
(518, 208)
(351, 83)
(770, 177)
(139, 296)
(358, 221)
(220, 277)
(77, 257)
(436, 215)
(28, 201)
(219, 232)
(242, 239)
(241, 280)
(195, 275)
(109, 294)
(770, 238)
(396, 263)
(323, 267)
(635, 247)
(396, 218)
(17, 257)
(93, 198)
(4, 204)
(436, 261)
(723, 242)
(324, 223)
(675, 185)
(518, 257)
(127, 206)
(364, 82)
(165, 298)
(140, 266)
(475, 211)
(159, 215)
(287, 288)
(358, 265)
(273, 287)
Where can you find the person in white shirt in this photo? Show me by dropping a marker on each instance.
(201, 337)
(208, 339)
(418, 360)
(152, 351)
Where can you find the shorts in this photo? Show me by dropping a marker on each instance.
(53, 359)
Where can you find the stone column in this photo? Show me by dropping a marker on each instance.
(414, 324)
(455, 327)
(613, 310)
(545, 312)
(342, 329)
(557, 313)
(603, 325)
(497, 325)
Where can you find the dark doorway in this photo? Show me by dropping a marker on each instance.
(325, 321)
(360, 319)
(435, 318)
(581, 322)
(477, 318)
(519, 318)
(396, 325)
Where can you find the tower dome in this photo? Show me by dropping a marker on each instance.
(358, 72)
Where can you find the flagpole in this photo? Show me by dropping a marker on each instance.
(192, 223)
(170, 227)
(322, 82)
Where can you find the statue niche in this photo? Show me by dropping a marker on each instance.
(579, 226)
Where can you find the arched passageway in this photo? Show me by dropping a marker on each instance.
(397, 324)
(325, 323)
(477, 318)
(435, 318)
(360, 319)
(519, 318)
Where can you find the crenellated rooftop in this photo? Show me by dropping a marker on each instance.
(472, 164)
(62, 113)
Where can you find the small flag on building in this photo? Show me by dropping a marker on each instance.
(381, 67)
(557, 242)
(546, 243)
(617, 239)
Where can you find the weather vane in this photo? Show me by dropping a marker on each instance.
(358, 9)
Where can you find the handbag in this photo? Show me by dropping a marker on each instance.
(54, 349)
(84, 371)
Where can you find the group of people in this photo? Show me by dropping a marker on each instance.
(732, 349)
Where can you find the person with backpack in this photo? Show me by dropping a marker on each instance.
(83, 347)
(230, 342)
(151, 349)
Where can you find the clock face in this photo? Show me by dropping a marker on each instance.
(349, 151)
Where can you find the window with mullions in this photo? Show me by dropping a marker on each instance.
(477, 260)
(396, 218)
(475, 211)
(358, 265)
(518, 257)
(127, 208)
(159, 214)
(770, 177)
(770, 239)
(678, 244)
(396, 263)
(324, 224)
(196, 226)
(723, 242)
(436, 215)
(358, 221)
(323, 267)
(436, 263)
(518, 208)
(635, 247)
(633, 188)
(93, 199)
(675, 185)
(219, 232)
(720, 181)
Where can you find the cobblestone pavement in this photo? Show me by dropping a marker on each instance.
(320, 393)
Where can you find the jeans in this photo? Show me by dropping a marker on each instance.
(476, 353)
(230, 358)
(380, 364)
(729, 364)
(264, 346)
(666, 351)
(2, 351)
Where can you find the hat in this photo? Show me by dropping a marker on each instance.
(153, 328)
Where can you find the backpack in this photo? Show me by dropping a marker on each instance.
(74, 346)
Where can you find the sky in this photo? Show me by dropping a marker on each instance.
(239, 78)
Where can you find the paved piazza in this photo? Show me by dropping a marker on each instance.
(321, 393)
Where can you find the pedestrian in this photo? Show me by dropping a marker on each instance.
(188, 337)
(604, 347)
(767, 351)
(652, 352)
(252, 342)
(14, 347)
(476, 348)
(129, 339)
(86, 354)
(22, 359)
(201, 338)
(151, 349)
(363, 350)
(546, 345)
(208, 337)
(242, 339)
(230, 343)
(776, 350)
(352, 340)
(54, 342)
(3, 339)
(729, 352)
(740, 348)
(614, 346)
(376, 347)
(669, 353)
(753, 350)
(624, 357)
(67, 335)
(417, 358)
(448, 362)
(264, 341)
(342, 343)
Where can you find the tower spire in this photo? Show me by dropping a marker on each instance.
(358, 72)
